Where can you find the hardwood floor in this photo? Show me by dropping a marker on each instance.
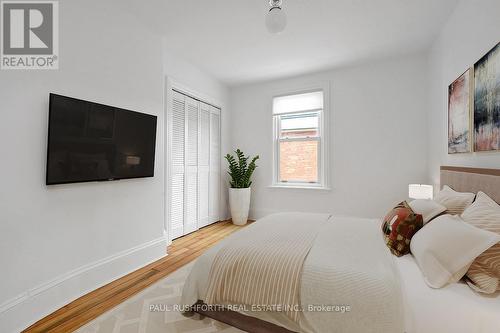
(90, 306)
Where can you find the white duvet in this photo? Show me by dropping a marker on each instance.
(349, 281)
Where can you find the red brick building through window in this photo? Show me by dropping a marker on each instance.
(299, 160)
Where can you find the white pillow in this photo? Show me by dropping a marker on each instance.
(445, 248)
(429, 209)
(484, 273)
(455, 202)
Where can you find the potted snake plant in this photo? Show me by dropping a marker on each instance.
(240, 172)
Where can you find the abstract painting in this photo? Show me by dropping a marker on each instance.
(487, 101)
(459, 115)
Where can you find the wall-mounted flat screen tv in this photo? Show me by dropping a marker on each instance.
(93, 142)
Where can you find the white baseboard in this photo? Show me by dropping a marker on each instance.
(25, 309)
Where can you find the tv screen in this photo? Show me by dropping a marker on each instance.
(94, 142)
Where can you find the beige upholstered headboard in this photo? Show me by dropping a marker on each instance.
(472, 180)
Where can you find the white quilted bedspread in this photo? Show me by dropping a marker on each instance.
(349, 281)
(350, 265)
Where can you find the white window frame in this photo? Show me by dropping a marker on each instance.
(323, 139)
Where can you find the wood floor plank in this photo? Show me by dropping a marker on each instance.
(200, 233)
(196, 252)
(88, 307)
(200, 243)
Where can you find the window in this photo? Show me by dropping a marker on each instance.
(299, 135)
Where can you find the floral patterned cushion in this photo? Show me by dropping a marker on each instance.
(399, 226)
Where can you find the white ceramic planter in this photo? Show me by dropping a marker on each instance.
(239, 202)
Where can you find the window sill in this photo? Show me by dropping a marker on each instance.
(301, 187)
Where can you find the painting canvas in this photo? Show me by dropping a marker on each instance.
(459, 115)
(487, 101)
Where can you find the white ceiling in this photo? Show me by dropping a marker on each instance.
(228, 38)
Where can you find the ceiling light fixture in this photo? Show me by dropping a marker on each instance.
(276, 17)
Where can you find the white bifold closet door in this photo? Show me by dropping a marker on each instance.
(177, 165)
(191, 186)
(214, 172)
(195, 165)
(204, 166)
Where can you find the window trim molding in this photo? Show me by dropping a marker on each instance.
(323, 139)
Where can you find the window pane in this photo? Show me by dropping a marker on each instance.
(299, 161)
(298, 102)
(299, 125)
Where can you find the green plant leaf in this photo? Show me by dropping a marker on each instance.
(239, 169)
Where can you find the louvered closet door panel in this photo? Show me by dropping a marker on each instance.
(192, 135)
(214, 173)
(191, 186)
(191, 222)
(178, 119)
(204, 166)
(205, 134)
(178, 132)
(203, 194)
(177, 206)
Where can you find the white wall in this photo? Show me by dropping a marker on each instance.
(194, 80)
(192, 77)
(470, 32)
(59, 242)
(378, 138)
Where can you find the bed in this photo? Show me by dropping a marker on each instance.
(353, 283)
